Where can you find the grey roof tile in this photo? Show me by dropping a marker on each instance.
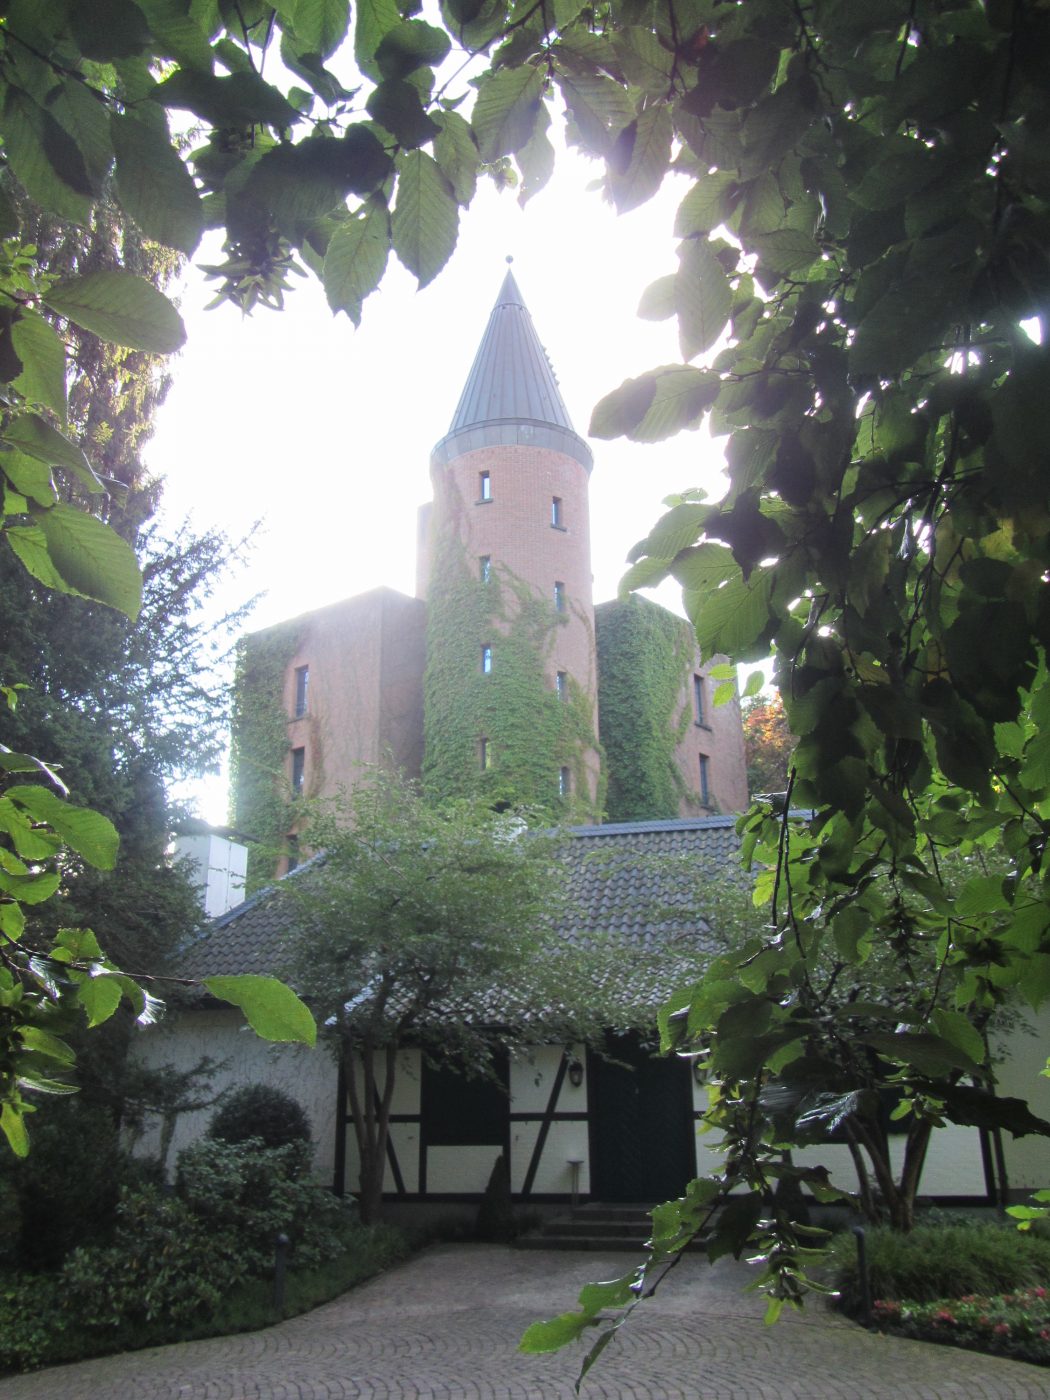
(641, 880)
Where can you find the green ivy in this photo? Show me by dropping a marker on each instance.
(259, 746)
(532, 733)
(643, 652)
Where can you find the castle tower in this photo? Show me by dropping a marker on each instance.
(510, 707)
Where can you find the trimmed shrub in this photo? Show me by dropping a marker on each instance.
(260, 1111)
(941, 1261)
(248, 1194)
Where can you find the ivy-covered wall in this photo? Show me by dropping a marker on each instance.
(260, 797)
(531, 732)
(643, 653)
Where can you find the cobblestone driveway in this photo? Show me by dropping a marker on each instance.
(445, 1326)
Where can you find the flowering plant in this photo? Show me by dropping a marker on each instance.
(1012, 1324)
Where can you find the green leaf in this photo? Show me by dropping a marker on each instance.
(397, 106)
(29, 478)
(272, 1010)
(109, 29)
(375, 19)
(42, 1042)
(708, 204)
(658, 300)
(35, 437)
(356, 258)
(43, 356)
(703, 296)
(301, 183)
(623, 409)
(981, 895)
(321, 25)
(92, 558)
(45, 159)
(536, 160)
(29, 545)
(645, 62)
(733, 619)
(425, 219)
(153, 184)
(931, 1055)
(551, 1336)
(506, 110)
(87, 832)
(14, 1129)
(177, 34)
(682, 396)
(598, 106)
(640, 159)
(456, 151)
(242, 99)
(120, 307)
(30, 889)
(961, 1032)
(99, 997)
(411, 45)
(784, 251)
(755, 681)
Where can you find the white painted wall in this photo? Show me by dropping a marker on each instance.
(1025, 1054)
(308, 1074)
(221, 868)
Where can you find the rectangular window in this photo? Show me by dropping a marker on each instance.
(302, 685)
(559, 597)
(705, 787)
(698, 699)
(485, 568)
(564, 782)
(298, 771)
(485, 754)
(484, 486)
(556, 519)
(486, 660)
(562, 685)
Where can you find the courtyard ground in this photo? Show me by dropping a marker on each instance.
(445, 1326)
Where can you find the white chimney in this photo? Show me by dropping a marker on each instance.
(221, 868)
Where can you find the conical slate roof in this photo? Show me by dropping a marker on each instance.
(511, 396)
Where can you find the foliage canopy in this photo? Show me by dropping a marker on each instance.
(863, 243)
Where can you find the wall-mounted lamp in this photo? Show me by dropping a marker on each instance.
(575, 1072)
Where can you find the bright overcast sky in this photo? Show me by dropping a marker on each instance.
(323, 432)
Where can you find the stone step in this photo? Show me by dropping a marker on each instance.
(634, 1229)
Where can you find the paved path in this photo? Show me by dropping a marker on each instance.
(445, 1326)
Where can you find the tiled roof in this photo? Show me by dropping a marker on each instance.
(640, 880)
(511, 396)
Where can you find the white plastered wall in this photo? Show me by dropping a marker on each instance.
(1024, 1056)
(532, 1078)
(307, 1073)
(404, 1137)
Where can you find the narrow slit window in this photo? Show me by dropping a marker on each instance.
(485, 754)
(698, 700)
(486, 659)
(705, 785)
(293, 853)
(484, 486)
(562, 685)
(302, 686)
(298, 771)
(564, 782)
(559, 597)
(556, 513)
(485, 567)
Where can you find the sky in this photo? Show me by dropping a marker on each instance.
(323, 433)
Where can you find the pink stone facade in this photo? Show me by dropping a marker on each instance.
(715, 734)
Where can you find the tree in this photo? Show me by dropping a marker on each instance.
(419, 926)
(863, 243)
(767, 744)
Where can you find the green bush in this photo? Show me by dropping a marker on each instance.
(250, 1194)
(940, 1261)
(65, 1193)
(164, 1262)
(260, 1111)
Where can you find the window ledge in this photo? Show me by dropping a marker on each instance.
(483, 501)
(702, 724)
(563, 528)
